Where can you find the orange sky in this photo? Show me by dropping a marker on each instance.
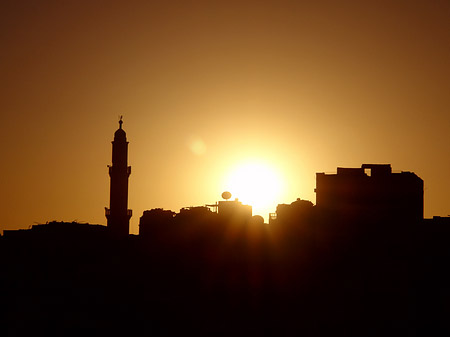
(305, 85)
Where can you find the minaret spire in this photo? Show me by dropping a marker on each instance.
(118, 214)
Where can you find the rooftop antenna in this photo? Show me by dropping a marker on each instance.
(226, 195)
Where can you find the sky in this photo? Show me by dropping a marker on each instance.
(207, 86)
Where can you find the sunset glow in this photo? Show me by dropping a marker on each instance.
(211, 90)
(257, 184)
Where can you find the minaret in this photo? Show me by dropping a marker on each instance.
(118, 214)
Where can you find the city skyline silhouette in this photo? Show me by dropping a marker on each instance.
(290, 168)
(361, 261)
(118, 211)
(380, 189)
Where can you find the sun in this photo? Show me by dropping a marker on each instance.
(256, 183)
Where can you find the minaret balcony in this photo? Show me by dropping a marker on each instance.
(108, 212)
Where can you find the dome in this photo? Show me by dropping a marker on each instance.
(120, 133)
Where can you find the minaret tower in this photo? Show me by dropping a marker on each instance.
(118, 214)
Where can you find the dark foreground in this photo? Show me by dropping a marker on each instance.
(229, 280)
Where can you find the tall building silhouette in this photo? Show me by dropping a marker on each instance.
(118, 214)
(372, 191)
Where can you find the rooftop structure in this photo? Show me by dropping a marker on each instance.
(371, 192)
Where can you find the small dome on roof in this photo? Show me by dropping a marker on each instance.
(120, 133)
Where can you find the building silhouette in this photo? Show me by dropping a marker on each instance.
(58, 231)
(234, 210)
(361, 262)
(297, 211)
(118, 215)
(372, 192)
(155, 220)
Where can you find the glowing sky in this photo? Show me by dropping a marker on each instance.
(204, 85)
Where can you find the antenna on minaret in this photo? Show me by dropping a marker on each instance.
(120, 121)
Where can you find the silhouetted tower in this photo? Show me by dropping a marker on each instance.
(118, 214)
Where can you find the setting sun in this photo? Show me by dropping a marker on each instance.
(257, 184)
